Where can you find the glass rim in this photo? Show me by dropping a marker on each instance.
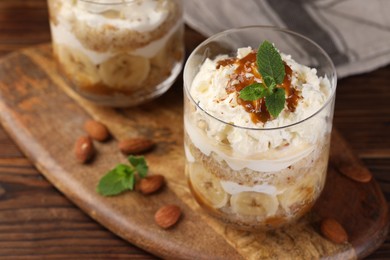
(333, 81)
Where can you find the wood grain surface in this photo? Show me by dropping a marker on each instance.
(37, 222)
(45, 118)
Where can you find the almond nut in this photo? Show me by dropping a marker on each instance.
(346, 162)
(333, 231)
(96, 130)
(84, 149)
(151, 184)
(167, 216)
(135, 145)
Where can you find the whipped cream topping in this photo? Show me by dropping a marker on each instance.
(260, 148)
(142, 16)
(208, 90)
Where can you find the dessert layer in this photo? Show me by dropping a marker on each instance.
(239, 157)
(62, 34)
(312, 165)
(256, 204)
(218, 115)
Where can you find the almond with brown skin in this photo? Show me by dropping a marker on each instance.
(346, 162)
(333, 231)
(151, 184)
(135, 145)
(96, 130)
(84, 149)
(355, 171)
(167, 216)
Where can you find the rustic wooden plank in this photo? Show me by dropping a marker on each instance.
(31, 114)
(370, 143)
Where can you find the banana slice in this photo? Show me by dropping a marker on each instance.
(207, 186)
(124, 70)
(254, 204)
(77, 65)
(298, 194)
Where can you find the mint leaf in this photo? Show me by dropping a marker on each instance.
(116, 181)
(269, 62)
(253, 92)
(139, 164)
(122, 177)
(275, 101)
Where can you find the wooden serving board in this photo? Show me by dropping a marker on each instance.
(45, 117)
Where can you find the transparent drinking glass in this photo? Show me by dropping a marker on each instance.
(118, 53)
(257, 177)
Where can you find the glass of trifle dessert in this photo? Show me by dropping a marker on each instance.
(258, 109)
(118, 52)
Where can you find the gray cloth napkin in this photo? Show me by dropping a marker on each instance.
(355, 33)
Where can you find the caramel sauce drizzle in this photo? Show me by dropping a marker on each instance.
(257, 108)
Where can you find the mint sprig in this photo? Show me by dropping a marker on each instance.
(122, 177)
(139, 164)
(270, 83)
(271, 68)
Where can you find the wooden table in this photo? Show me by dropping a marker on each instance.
(37, 221)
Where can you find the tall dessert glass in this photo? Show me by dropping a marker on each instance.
(118, 52)
(244, 166)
